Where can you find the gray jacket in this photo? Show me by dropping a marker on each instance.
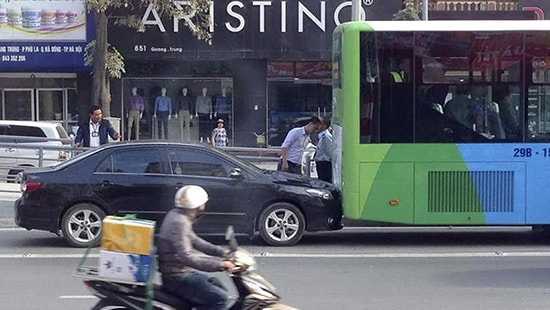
(178, 247)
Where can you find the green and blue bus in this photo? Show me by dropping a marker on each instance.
(443, 122)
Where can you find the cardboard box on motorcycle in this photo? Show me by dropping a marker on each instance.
(125, 266)
(126, 248)
(128, 235)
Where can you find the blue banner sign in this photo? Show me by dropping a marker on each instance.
(44, 35)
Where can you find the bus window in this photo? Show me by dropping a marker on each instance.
(386, 88)
(538, 92)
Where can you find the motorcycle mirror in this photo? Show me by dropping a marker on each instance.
(230, 236)
(229, 233)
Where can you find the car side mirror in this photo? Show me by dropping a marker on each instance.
(236, 173)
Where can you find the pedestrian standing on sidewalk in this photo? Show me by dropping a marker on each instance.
(219, 135)
(96, 130)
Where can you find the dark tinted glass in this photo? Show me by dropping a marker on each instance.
(25, 131)
(194, 162)
(137, 161)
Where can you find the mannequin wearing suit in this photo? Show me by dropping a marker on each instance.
(203, 110)
(223, 106)
(185, 114)
(134, 112)
(163, 112)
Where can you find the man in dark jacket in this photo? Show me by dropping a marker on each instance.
(181, 254)
(96, 130)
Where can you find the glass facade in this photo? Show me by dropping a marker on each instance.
(195, 105)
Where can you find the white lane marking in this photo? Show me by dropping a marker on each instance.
(77, 297)
(343, 255)
(408, 255)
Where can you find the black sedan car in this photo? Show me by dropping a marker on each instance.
(142, 177)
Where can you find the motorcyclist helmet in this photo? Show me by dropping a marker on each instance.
(190, 197)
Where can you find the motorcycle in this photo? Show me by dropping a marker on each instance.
(254, 291)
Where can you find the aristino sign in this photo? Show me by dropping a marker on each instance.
(278, 29)
(237, 15)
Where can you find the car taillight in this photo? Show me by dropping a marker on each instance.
(29, 186)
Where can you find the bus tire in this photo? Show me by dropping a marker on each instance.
(82, 225)
(281, 224)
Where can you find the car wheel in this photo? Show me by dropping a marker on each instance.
(81, 225)
(281, 224)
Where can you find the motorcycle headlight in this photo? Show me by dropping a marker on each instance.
(321, 193)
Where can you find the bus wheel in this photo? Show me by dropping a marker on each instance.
(541, 229)
(281, 224)
(81, 225)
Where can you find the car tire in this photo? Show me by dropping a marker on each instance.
(281, 224)
(82, 225)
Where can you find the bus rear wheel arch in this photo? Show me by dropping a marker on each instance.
(281, 224)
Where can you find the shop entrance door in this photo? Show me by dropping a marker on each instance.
(41, 104)
(18, 104)
(50, 104)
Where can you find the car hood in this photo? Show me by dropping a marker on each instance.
(298, 180)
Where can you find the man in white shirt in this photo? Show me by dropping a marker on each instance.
(96, 130)
(294, 145)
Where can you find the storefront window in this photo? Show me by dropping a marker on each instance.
(296, 91)
(177, 109)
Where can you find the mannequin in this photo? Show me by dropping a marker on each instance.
(223, 105)
(134, 112)
(203, 110)
(185, 111)
(163, 112)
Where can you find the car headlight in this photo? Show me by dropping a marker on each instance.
(321, 193)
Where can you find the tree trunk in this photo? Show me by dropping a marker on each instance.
(101, 95)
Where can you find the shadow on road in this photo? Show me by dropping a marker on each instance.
(428, 237)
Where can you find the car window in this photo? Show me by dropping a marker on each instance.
(61, 132)
(25, 131)
(138, 161)
(185, 161)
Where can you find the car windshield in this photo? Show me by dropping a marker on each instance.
(75, 158)
(240, 160)
(62, 132)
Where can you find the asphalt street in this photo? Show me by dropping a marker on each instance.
(8, 194)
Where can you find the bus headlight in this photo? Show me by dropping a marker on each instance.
(321, 193)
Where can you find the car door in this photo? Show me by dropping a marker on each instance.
(228, 197)
(133, 181)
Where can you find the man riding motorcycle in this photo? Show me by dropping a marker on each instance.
(181, 258)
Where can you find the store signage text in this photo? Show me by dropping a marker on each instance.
(20, 53)
(236, 22)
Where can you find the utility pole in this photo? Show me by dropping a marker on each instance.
(425, 9)
(356, 10)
